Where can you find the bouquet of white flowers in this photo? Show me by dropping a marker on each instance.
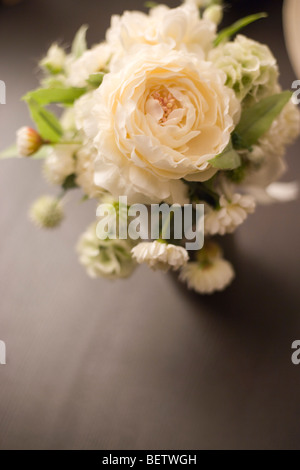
(167, 110)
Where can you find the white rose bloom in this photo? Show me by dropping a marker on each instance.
(179, 28)
(207, 279)
(231, 214)
(105, 258)
(85, 162)
(284, 130)
(60, 163)
(163, 117)
(250, 67)
(160, 255)
(92, 61)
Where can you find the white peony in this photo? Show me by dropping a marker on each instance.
(105, 258)
(207, 279)
(163, 117)
(160, 255)
(271, 148)
(178, 28)
(85, 161)
(60, 163)
(92, 61)
(250, 67)
(230, 215)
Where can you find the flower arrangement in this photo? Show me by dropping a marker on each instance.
(168, 109)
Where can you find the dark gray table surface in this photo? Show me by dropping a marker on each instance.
(140, 364)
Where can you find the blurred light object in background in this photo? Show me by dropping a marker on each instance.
(2, 353)
(291, 15)
(2, 92)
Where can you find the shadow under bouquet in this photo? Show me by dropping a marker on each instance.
(170, 113)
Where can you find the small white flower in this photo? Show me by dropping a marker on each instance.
(250, 67)
(160, 255)
(28, 141)
(111, 259)
(92, 61)
(68, 123)
(85, 160)
(47, 212)
(214, 13)
(60, 163)
(271, 148)
(206, 279)
(210, 272)
(55, 60)
(230, 215)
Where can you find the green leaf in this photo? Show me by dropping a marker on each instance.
(48, 125)
(257, 120)
(227, 33)
(238, 175)
(79, 45)
(10, 152)
(229, 159)
(70, 182)
(202, 192)
(52, 82)
(96, 79)
(44, 96)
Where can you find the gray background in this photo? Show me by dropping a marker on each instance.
(140, 364)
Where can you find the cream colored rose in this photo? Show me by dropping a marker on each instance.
(179, 28)
(162, 118)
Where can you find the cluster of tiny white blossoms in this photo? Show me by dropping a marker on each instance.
(169, 108)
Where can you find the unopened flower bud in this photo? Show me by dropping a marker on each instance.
(54, 62)
(257, 155)
(214, 14)
(47, 212)
(28, 141)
